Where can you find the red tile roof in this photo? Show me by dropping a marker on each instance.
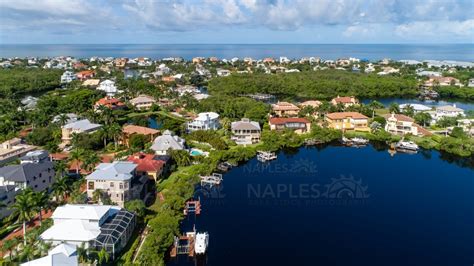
(400, 117)
(281, 120)
(146, 162)
(345, 99)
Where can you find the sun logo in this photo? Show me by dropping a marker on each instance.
(346, 188)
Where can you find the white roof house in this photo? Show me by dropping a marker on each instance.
(116, 171)
(78, 223)
(82, 126)
(204, 121)
(167, 141)
(416, 107)
(61, 255)
(449, 111)
(108, 87)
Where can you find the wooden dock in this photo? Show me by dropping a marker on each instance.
(264, 156)
(192, 206)
(183, 245)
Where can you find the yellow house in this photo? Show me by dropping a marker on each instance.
(285, 109)
(348, 121)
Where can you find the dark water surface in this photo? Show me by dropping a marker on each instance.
(340, 206)
(459, 52)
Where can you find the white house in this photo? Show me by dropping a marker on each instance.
(95, 226)
(245, 131)
(108, 87)
(448, 111)
(204, 121)
(223, 72)
(61, 255)
(67, 77)
(470, 83)
(399, 124)
(284, 60)
(417, 108)
(162, 144)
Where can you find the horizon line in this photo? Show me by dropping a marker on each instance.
(414, 43)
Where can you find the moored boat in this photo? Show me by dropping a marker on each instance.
(201, 243)
(409, 146)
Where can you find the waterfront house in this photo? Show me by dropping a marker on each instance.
(85, 74)
(204, 121)
(143, 102)
(129, 130)
(110, 103)
(399, 124)
(348, 121)
(162, 144)
(346, 101)
(67, 77)
(245, 131)
(448, 111)
(298, 125)
(13, 149)
(78, 127)
(95, 227)
(285, 109)
(148, 165)
(108, 86)
(63, 254)
(118, 180)
(442, 81)
(417, 108)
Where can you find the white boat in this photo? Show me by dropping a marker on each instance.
(359, 141)
(264, 156)
(406, 146)
(201, 243)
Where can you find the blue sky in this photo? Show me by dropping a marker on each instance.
(236, 21)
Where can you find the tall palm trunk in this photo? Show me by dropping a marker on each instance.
(41, 216)
(24, 233)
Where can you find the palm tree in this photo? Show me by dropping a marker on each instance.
(82, 253)
(77, 154)
(90, 161)
(393, 108)
(97, 195)
(60, 167)
(181, 157)
(41, 203)
(103, 256)
(61, 188)
(24, 207)
(62, 119)
(104, 134)
(115, 131)
(375, 105)
(8, 246)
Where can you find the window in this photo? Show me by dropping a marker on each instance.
(121, 185)
(111, 184)
(90, 185)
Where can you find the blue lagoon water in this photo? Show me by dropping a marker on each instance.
(459, 52)
(465, 105)
(379, 210)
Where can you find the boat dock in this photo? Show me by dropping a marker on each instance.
(214, 179)
(192, 206)
(264, 156)
(183, 245)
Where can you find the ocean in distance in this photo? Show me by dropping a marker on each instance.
(458, 52)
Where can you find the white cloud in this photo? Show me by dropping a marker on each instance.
(436, 29)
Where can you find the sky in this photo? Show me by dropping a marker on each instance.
(236, 21)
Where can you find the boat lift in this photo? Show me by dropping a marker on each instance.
(214, 179)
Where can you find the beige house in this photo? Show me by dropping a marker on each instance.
(285, 109)
(246, 131)
(346, 101)
(118, 180)
(81, 126)
(143, 102)
(348, 121)
(399, 124)
(298, 125)
(13, 149)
